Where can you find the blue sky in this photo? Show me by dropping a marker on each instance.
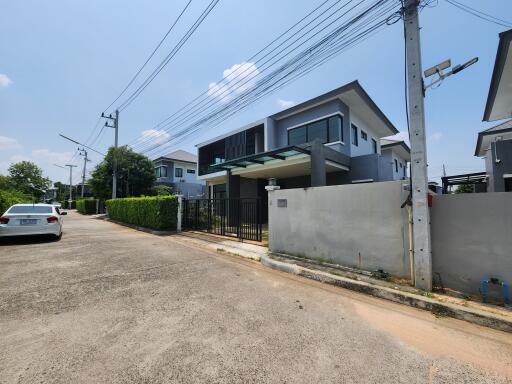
(63, 62)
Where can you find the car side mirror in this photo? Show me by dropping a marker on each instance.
(63, 213)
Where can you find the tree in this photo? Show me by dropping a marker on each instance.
(28, 178)
(135, 174)
(162, 190)
(5, 183)
(464, 188)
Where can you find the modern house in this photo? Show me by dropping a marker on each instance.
(179, 170)
(332, 139)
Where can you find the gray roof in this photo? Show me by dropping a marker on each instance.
(485, 136)
(180, 155)
(399, 145)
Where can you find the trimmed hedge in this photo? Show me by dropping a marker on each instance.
(86, 206)
(11, 197)
(158, 212)
(65, 204)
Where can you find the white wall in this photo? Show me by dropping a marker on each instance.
(188, 177)
(361, 225)
(364, 147)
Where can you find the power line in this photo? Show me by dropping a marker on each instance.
(150, 56)
(169, 57)
(480, 14)
(305, 53)
(301, 64)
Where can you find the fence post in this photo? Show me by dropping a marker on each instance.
(180, 213)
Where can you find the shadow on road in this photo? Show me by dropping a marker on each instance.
(26, 240)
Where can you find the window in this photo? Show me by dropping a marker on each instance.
(405, 169)
(396, 165)
(192, 171)
(30, 209)
(178, 172)
(355, 140)
(364, 136)
(161, 171)
(400, 164)
(374, 145)
(327, 130)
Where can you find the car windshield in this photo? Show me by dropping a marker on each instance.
(30, 209)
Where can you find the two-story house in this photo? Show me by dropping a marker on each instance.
(179, 171)
(334, 138)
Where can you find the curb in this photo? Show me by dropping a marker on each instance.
(437, 308)
(142, 229)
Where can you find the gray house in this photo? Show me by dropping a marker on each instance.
(179, 171)
(332, 139)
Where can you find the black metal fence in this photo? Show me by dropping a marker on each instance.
(239, 218)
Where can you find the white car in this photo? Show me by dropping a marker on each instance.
(31, 219)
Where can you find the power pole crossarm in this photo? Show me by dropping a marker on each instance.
(421, 219)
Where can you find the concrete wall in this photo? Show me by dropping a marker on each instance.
(360, 226)
(472, 238)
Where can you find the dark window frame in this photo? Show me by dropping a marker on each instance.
(396, 165)
(192, 171)
(364, 135)
(375, 147)
(178, 174)
(337, 139)
(158, 171)
(354, 135)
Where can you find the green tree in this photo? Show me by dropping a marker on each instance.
(464, 188)
(28, 178)
(135, 174)
(5, 183)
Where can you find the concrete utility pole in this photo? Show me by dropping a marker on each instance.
(70, 183)
(115, 125)
(415, 93)
(83, 152)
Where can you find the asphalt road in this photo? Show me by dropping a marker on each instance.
(107, 304)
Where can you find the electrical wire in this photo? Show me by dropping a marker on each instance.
(150, 56)
(480, 14)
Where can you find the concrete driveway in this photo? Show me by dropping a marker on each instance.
(108, 304)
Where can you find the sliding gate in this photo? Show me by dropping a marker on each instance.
(239, 218)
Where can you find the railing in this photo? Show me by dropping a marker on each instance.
(239, 218)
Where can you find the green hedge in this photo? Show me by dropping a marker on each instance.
(86, 206)
(11, 197)
(65, 204)
(158, 212)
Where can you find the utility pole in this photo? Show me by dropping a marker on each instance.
(70, 183)
(115, 125)
(415, 94)
(83, 152)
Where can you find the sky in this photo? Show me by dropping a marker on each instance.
(63, 62)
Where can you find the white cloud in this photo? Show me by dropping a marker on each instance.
(4, 80)
(436, 136)
(237, 79)
(47, 157)
(285, 103)
(156, 136)
(8, 143)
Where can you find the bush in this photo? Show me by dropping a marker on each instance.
(86, 206)
(159, 212)
(11, 197)
(65, 204)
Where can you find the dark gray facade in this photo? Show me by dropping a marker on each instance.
(498, 165)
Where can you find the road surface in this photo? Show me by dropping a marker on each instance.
(108, 304)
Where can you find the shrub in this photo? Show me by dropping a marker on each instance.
(86, 206)
(11, 197)
(159, 212)
(65, 204)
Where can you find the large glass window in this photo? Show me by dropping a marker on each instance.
(355, 139)
(178, 172)
(161, 171)
(327, 130)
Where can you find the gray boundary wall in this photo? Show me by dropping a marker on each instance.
(360, 225)
(472, 239)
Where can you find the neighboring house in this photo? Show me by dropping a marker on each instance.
(398, 154)
(495, 145)
(332, 139)
(179, 171)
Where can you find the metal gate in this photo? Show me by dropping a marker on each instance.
(239, 218)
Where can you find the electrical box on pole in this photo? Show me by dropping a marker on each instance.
(419, 176)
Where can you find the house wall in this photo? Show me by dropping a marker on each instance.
(364, 147)
(388, 165)
(360, 226)
(501, 149)
(471, 238)
(187, 177)
(312, 114)
(170, 171)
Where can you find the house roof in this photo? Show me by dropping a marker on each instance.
(487, 136)
(499, 99)
(401, 148)
(356, 98)
(351, 94)
(180, 155)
